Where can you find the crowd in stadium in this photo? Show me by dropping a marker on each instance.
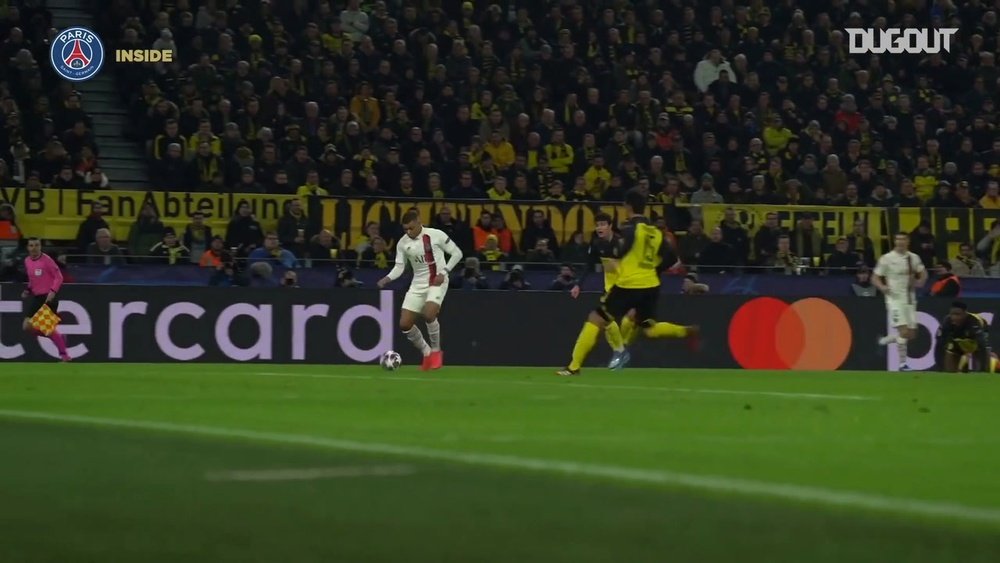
(691, 102)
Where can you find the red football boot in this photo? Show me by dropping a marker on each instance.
(436, 359)
(426, 364)
(693, 339)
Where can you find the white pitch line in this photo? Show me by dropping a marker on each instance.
(310, 474)
(569, 384)
(712, 483)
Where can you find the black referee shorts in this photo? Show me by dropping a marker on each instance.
(645, 301)
(32, 303)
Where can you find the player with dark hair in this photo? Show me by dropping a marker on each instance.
(424, 249)
(44, 282)
(605, 250)
(960, 335)
(898, 274)
(644, 256)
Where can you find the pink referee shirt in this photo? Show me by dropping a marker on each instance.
(43, 275)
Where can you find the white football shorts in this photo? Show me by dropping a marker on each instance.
(416, 299)
(902, 313)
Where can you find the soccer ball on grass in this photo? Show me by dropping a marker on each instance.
(390, 361)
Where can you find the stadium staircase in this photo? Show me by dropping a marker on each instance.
(121, 159)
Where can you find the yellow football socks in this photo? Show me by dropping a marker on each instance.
(615, 336)
(666, 330)
(629, 332)
(584, 344)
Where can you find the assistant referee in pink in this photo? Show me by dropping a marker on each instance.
(44, 282)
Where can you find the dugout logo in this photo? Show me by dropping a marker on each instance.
(809, 334)
(897, 41)
(77, 54)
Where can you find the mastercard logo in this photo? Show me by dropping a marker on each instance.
(809, 334)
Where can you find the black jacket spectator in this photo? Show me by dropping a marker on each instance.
(738, 238)
(145, 232)
(765, 242)
(922, 244)
(537, 230)
(293, 229)
(324, 249)
(87, 232)
(458, 231)
(244, 232)
(843, 260)
(717, 256)
(171, 172)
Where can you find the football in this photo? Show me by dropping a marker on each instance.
(390, 360)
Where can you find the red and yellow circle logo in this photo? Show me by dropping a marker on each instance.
(810, 334)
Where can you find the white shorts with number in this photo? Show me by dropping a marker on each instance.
(416, 299)
(902, 313)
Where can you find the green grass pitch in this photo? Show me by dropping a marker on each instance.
(301, 464)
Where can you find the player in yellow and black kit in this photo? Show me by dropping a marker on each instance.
(963, 334)
(644, 256)
(605, 250)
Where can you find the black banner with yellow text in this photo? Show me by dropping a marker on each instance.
(55, 214)
(951, 227)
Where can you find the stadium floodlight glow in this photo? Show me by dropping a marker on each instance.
(898, 41)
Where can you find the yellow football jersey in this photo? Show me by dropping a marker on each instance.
(645, 251)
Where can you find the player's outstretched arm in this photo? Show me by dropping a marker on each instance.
(397, 269)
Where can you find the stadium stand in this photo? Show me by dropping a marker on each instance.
(701, 103)
(705, 91)
(41, 117)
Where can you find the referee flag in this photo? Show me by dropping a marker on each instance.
(45, 320)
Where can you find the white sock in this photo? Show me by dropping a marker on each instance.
(886, 340)
(417, 339)
(434, 334)
(901, 346)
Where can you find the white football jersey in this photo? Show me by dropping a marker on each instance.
(899, 271)
(426, 255)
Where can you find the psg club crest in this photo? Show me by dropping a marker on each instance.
(77, 54)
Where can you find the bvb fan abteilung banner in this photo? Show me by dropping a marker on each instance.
(348, 216)
(56, 214)
(951, 227)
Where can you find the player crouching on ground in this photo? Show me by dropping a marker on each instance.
(44, 282)
(424, 249)
(963, 335)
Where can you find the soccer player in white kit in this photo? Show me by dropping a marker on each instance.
(424, 249)
(897, 274)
